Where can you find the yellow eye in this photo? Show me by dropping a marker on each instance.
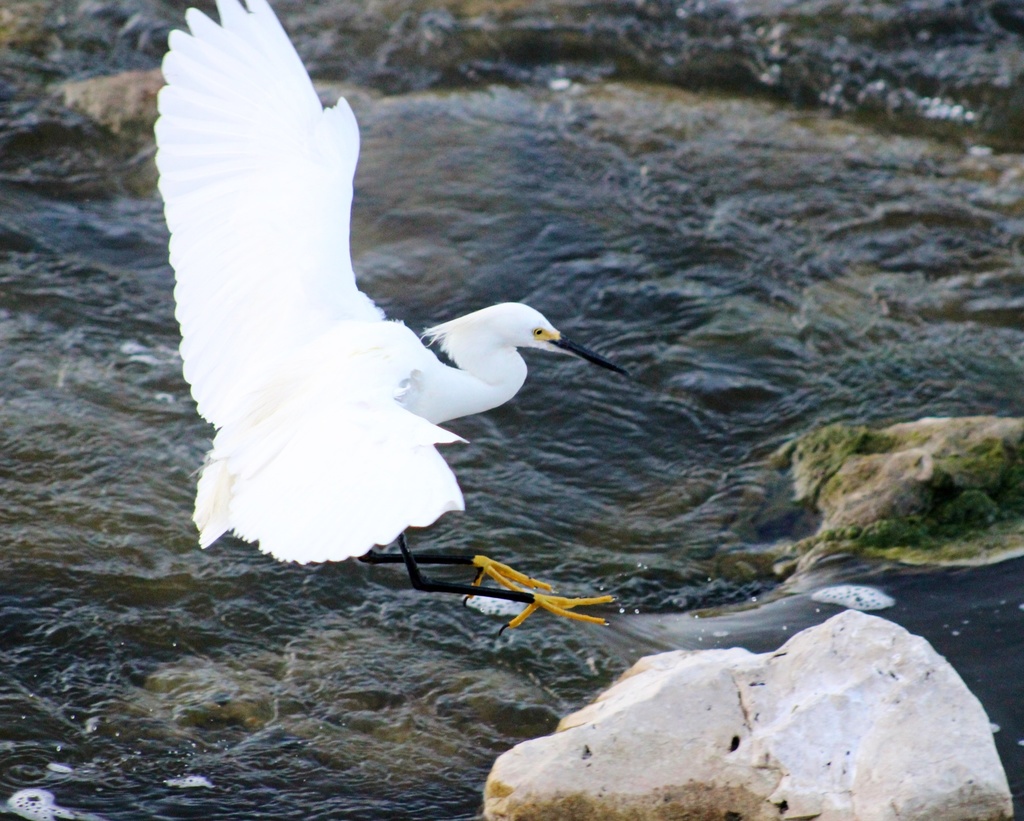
(538, 332)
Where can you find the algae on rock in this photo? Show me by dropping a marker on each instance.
(938, 490)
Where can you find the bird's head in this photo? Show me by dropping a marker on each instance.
(508, 325)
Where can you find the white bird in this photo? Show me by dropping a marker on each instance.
(326, 414)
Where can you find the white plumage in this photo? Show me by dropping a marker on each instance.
(326, 414)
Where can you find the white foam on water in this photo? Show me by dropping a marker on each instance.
(496, 607)
(189, 782)
(56, 767)
(37, 805)
(854, 597)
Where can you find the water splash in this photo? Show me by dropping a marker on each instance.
(37, 805)
(854, 597)
(189, 782)
(496, 607)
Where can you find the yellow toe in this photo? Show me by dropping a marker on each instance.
(521, 583)
(561, 606)
(505, 575)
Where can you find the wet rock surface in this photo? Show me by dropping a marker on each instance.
(125, 103)
(933, 490)
(852, 719)
(950, 68)
(933, 68)
(936, 67)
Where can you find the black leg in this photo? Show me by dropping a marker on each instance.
(421, 582)
(376, 557)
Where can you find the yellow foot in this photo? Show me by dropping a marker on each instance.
(561, 606)
(521, 583)
(505, 575)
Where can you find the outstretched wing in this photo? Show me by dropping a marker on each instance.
(314, 455)
(257, 183)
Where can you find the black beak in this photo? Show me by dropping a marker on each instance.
(590, 356)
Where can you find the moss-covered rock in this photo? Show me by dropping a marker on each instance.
(930, 491)
(875, 486)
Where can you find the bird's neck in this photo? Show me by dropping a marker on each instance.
(478, 384)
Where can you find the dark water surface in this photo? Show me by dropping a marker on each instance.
(760, 269)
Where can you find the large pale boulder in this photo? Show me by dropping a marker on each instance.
(853, 720)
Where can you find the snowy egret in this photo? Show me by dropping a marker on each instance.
(326, 414)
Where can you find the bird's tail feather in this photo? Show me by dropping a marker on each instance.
(213, 498)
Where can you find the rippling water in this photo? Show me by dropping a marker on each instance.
(759, 270)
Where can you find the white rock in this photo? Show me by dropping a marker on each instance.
(852, 720)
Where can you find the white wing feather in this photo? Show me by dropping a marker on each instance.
(257, 183)
(314, 457)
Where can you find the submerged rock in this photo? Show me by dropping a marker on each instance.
(351, 697)
(853, 719)
(934, 490)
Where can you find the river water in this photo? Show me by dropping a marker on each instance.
(759, 268)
